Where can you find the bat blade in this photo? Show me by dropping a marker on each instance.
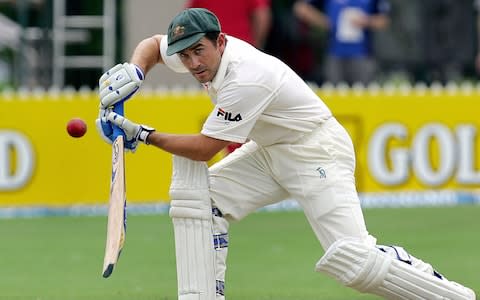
(117, 216)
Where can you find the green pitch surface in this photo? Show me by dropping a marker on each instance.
(272, 255)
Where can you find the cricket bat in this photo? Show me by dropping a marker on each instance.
(117, 214)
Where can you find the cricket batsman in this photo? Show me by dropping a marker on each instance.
(294, 148)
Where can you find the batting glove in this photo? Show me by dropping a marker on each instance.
(132, 135)
(104, 128)
(119, 84)
(133, 132)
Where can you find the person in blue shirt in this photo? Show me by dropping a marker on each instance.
(350, 24)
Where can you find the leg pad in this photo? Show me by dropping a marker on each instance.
(368, 269)
(191, 213)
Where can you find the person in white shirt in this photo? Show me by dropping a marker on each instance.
(294, 148)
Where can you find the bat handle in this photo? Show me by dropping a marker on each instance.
(118, 108)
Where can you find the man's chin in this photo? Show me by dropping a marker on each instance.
(202, 78)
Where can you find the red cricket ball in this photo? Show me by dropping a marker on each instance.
(76, 127)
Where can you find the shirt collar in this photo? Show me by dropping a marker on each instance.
(222, 69)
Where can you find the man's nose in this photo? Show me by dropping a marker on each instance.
(194, 62)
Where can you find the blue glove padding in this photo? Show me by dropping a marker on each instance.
(119, 84)
(105, 129)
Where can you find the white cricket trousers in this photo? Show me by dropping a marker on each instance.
(317, 171)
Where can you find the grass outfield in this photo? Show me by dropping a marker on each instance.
(272, 255)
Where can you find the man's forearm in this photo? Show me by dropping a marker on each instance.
(378, 22)
(196, 147)
(147, 53)
(262, 20)
(311, 15)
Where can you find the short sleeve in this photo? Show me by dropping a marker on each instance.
(173, 61)
(237, 112)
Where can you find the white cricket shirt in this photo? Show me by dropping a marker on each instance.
(256, 97)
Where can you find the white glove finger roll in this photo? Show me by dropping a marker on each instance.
(104, 92)
(133, 71)
(120, 82)
(117, 95)
(107, 74)
(112, 83)
(103, 113)
(131, 129)
(109, 99)
(127, 89)
(116, 119)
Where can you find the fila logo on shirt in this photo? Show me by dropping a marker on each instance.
(228, 116)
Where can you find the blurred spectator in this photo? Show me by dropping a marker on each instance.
(295, 43)
(248, 20)
(24, 57)
(349, 24)
(447, 39)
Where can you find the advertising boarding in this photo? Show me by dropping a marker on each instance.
(414, 147)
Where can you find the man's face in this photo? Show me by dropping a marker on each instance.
(203, 58)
